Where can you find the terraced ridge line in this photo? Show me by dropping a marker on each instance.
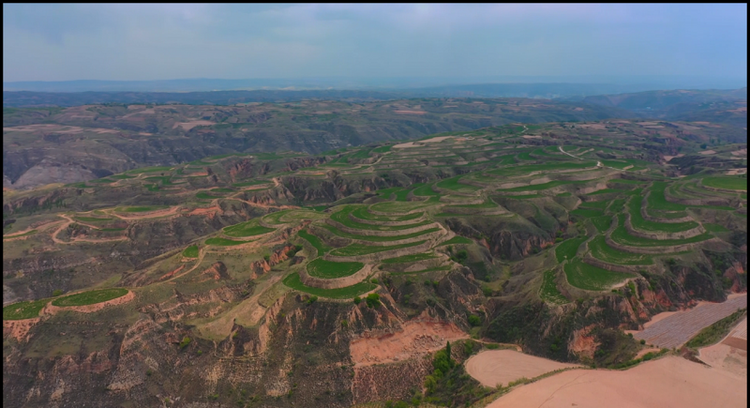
(677, 329)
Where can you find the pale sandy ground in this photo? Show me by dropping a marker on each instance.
(708, 152)
(734, 172)
(723, 356)
(192, 124)
(410, 112)
(668, 158)
(493, 367)
(531, 137)
(669, 382)
(421, 142)
(742, 152)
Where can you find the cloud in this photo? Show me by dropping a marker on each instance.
(161, 41)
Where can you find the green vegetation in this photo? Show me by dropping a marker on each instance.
(641, 224)
(342, 217)
(602, 223)
(409, 258)
(293, 281)
(714, 227)
(549, 291)
(320, 268)
(568, 248)
(91, 297)
(363, 214)
(138, 209)
(205, 196)
(457, 240)
(24, 310)
(250, 183)
(589, 277)
(373, 238)
(600, 250)
(224, 242)
(359, 249)
(91, 219)
(621, 236)
(726, 182)
(20, 235)
(716, 331)
(247, 229)
(454, 185)
(315, 242)
(191, 251)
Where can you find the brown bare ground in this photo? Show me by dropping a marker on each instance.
(493, 367)
(670, 382)
(735, 172)
(742, 152)
(19, 329)
(531, 137)
(416, 338)
(706, 152)
(409, 112)
(192, 124)
(51, 309)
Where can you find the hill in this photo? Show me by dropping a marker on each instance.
(335, 279)
(53, 145)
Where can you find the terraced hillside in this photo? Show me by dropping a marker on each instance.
(285, 279)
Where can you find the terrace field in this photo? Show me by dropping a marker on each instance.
(269, 279)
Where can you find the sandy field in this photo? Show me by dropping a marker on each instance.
(410, 112)
(735, 172)
(422, 142)
(706, 152)
(416, 338)
(531, 137)
(192, 124)
(679, 327)
(742, 152)
(730, 354)
(493, 367)
(669, 382)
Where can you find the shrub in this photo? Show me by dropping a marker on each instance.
(357, 300)
(344, 324)
(374, 281)
(643, 341)
(373, 300)
(57, 292)
(312, 299)
(474, 320)
(185, 342)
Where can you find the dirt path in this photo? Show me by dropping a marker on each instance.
(69, 221)
(669, 382)
(150, 214)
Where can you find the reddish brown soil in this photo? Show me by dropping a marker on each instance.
(19, 329)
(416, 338)
(493, 367)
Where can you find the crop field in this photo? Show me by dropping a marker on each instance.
(294, 282)
(641, 224)
(454, 185)
(343, 218)
(217, 241)
(247, 229)
(315, 242)
(726, 182)
(363, 214)
(191, 251)
(376, 238)
(90, 298)
(457, 240)
(568, 248)
(359, 249)
(589, 277)
(321, 268)
(621, 236)
(600, 250)
(139, 209)
(24, 310)
(409, 258)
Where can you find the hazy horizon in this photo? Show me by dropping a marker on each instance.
(437, 44)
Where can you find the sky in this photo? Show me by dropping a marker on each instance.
(61, 42)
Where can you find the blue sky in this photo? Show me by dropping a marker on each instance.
(58, 42)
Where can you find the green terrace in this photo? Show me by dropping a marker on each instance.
(293, 281)
(315, 242)
(321, 268)
(191, 251)
(639, 223)
(247, 229)
(549, 292)
(377, 238)
(726, 182)
(454, 185)
(568, 248)
(217, 241)
(90, 297)
(363, 214)
(600, 250)
(543, 186)
(621, 236)
(409, 258)
(588, 277)
(360, 249)
(457, 240)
